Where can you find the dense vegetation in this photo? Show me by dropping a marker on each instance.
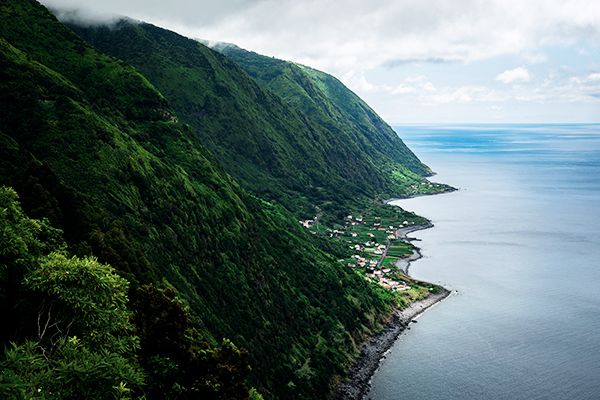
(286, 140)
(76, 337)
(122, 202)
(332, 105)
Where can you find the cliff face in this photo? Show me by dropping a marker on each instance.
(331, 104)
(277, 128)
(92, 145)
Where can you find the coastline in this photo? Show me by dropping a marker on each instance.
(372, 352)
(404, 263)
(401, 233)
(414, 196)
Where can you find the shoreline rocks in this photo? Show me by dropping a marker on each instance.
(404, 263)
(372, 352)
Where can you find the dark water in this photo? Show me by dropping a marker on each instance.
(520, 242)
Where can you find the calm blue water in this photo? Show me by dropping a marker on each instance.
(520, 242)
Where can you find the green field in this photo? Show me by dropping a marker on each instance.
(360, 236)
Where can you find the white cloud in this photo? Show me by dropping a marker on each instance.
(416, 78)
(567, 70)
(558, 88)
(462, 94)
(534, 58)
(353, 38)
(555, 88)
(428, 86)
(419, 90)
(86, 16)
(583, 52)
(592, 68)
(520, 74)
(403, 89)
(354, 34)
(358, 81)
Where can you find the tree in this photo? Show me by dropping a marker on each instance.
(70, 315)
(177, 366)
(77, 338)
(85, 298)
(219, 373)
(72, 372)
(22, 242)
(161, 321)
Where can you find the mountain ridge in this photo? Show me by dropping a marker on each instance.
(329, 95)
(271, 147)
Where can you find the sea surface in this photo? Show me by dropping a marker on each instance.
(520, 244)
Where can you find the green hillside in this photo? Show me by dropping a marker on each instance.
(326, 100)
(89, 144)
(287, 142)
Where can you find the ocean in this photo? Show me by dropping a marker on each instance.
(519, 244)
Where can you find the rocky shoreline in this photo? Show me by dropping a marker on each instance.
(372, 352)
(403, 263)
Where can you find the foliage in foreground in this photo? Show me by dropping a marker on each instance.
(78, 338)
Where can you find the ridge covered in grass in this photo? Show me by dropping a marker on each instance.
(285, 140)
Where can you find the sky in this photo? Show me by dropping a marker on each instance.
(412, 61)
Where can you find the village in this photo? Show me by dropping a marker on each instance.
(375, 241)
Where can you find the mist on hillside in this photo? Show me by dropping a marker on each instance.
(84, 16)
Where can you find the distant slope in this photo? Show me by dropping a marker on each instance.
(328, 101)
(278, 149)
(93, 146)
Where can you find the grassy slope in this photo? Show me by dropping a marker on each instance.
(325, 99)
(246, 268)
(278, 150)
